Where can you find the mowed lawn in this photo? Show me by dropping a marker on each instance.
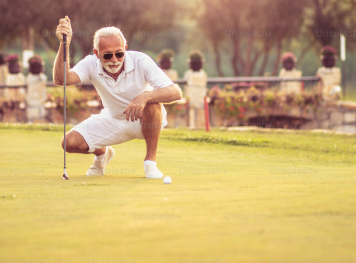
(243, 196)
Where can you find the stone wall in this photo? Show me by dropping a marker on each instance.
(337, 116)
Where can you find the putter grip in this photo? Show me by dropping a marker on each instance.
(64, 47)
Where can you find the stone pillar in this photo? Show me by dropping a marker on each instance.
(330, 82)
(15, 94)
(15, 99)
(329, 74)
(289, 71)
(290, 87)
(3, 77)
(14, 77)
(165, 59)
(3, 74)
(3, 69)
(171, 73)
(36, 96)
(195, 91)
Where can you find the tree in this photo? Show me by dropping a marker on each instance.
(20, 18)
(251, 29)
(325, 20)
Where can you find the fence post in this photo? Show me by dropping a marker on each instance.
(206, 107)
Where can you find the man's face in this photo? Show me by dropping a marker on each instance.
(111, 45)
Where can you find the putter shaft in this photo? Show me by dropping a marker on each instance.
(65, 176)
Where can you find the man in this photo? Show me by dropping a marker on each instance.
(132, 88)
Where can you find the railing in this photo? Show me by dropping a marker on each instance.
(254, 79)
(210, 81)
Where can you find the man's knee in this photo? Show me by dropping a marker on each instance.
(152, 117)
(70, 146)
(74, 142)
(152, 109)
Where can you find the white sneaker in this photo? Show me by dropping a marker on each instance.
(97, 167)
(152, 171)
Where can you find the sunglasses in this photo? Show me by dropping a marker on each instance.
(117, 54)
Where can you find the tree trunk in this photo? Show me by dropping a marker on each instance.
(247, 70)
(217, 59)
(234, 58)
(278, 58)
(27, 38)
(49, 51)
(304, 52)
(254, 61)
(264, 62)
(72, 53)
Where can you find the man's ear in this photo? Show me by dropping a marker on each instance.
(96, 53)
(126, 47)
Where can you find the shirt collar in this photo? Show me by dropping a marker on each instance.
(99, 66)
(128, 64)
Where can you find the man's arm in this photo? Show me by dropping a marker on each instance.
(72, 78)
(165, 95)
(161, 94)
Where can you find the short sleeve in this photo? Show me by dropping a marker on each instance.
(154, 75)
(83, 68)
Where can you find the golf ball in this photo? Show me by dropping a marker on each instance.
(167, 180)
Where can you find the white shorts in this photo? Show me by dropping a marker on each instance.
(101, 130)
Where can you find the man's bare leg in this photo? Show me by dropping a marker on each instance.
(151, 128)
(75, 143)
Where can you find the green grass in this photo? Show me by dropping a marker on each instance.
(248, 196)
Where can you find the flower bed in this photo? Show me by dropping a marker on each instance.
(227, 107)
(80, 104)
(237, 107)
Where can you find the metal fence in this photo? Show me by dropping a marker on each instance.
(259, 82)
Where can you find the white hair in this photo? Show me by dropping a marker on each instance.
(106, 32)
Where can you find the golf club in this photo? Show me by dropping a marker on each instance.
(65, 176)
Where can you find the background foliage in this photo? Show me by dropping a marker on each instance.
(237, 37)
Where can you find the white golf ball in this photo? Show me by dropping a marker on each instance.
(167, 180)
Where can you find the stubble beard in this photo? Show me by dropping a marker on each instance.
(113, 70)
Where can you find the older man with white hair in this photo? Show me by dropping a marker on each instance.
(132, 88)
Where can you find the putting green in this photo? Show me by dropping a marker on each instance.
(235, 197)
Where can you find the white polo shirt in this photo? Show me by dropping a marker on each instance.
(140, 74)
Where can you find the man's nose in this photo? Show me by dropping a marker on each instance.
(114, 58)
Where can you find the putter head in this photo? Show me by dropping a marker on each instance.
(65, 177)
